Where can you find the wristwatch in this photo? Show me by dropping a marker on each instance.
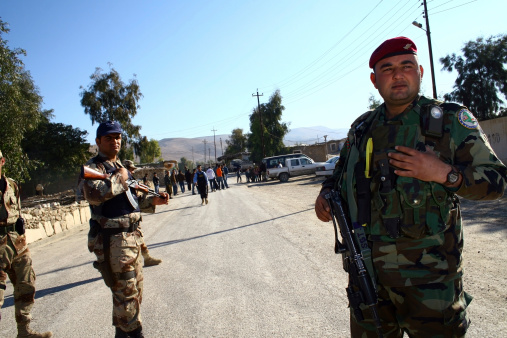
(452, 177)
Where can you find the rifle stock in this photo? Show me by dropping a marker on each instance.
(88, 173)
(91, 174)
(362, 290)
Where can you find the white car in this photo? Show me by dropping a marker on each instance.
(328, 167)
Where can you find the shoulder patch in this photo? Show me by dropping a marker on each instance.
(467, 119)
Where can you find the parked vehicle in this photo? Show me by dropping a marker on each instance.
(294, 167)
(238, 164)
(272, 162)
(328, 167)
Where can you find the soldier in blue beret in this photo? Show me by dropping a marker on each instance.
(401, 174)
(114, 235)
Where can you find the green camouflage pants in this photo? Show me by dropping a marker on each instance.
(431, 310)
(125, 256)
(16, 262)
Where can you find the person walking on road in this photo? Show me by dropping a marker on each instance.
(201, 180)
(168, 184)
(225, 173)
(15, 257)
(188, 178)
(211, 179)
(114, 234)
(193, 184)
(156, 182)
(181, 181)
(238, 176)
(220, 178)
(174, 181)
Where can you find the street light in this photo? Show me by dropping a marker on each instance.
(427, 30)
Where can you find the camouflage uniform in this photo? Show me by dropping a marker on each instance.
(15, 258)
(414, 230)
(125, 240)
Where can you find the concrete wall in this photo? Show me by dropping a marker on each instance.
(496, 130)
(46, 220)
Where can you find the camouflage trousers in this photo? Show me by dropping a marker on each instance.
(430, 310)
(16, 262)
(125, 256)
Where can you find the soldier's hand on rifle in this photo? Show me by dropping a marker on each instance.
(161, 201)
(322, 207)
(124, 173)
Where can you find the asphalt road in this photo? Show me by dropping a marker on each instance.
(254, 262)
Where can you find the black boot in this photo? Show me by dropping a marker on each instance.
(120, 333)
(137, 333)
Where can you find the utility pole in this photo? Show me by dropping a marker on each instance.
(325, 144)
(260, 120)
(204, 149)
(428, 35)
(221, 147)
(215, 143)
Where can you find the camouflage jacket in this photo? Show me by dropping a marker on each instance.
(9, 212)
(426, 214)
(9, 202)
(96, 192)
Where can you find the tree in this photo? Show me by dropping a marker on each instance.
(373, 103)
(185, 163)
(148, 150)
(59, 150)
(108, 98)
(481, 75)
(274, 129)
(236, 143)
(20, 108)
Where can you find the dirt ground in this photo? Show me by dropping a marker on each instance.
(485, 253)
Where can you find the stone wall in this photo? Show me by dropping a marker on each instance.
(46, 220)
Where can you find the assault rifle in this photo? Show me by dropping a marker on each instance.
(361, 289)
(91, 174)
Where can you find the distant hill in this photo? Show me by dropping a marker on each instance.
(193, 148)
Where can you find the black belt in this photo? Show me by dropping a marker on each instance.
(113, 231)
(5, 229)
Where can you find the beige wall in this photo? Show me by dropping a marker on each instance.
(496, 130)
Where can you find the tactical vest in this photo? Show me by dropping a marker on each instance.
(392, 205)
(118, 205)
(9, 207)
(201, 179)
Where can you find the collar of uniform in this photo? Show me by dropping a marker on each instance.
(116, 163)
(413, 105)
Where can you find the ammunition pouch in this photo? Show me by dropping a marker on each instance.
(20, 226)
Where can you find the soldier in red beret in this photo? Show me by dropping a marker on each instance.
(400, 177)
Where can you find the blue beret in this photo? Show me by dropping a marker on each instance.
(109, 127)
(395, 46)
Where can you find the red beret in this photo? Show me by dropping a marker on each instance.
(392, 47)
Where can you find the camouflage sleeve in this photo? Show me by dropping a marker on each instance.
(145, 204)
(484, 175)
(99, 191)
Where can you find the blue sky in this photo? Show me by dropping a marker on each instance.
(198, 62)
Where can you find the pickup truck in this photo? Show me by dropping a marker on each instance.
(294, 167)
